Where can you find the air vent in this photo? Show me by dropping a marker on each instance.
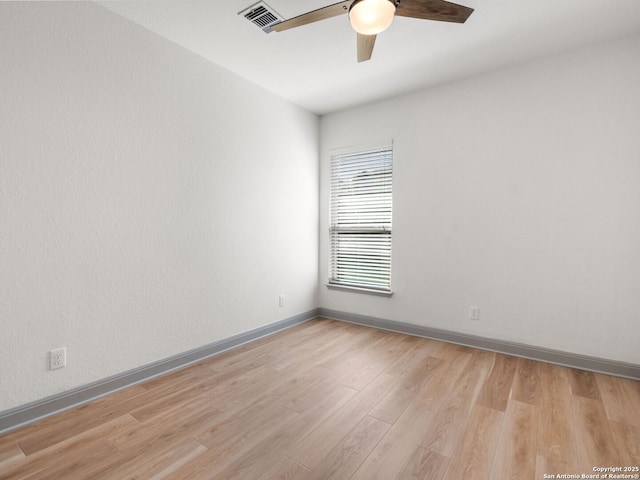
(261, 15)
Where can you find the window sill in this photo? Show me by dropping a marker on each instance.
(368, 291)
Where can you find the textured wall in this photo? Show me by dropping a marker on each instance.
(515, 191)
(150, 201)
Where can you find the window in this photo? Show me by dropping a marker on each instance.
(360, 225)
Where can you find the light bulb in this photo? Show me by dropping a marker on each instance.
(370, 17)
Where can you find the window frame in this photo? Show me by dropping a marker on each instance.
(360, 219)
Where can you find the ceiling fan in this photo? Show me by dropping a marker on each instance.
(370, 17)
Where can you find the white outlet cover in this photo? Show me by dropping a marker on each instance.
(57, 358)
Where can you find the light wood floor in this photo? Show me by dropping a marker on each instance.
(329, 400)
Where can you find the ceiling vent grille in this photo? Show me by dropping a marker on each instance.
(262, 15)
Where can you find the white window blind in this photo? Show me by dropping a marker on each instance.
(360, 225)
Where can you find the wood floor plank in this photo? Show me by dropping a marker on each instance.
(627, 438)
(497, 389)
(474, 454)
(194, 416)
(443, 381)
(415, 349)
(185, 421)
(621, 399)
(594, 438)
(450, 420)
(285, 469)
(276, 342)
(316, 351)
(546, 467)
(236, 393)
(276, 349)
(526, 383)
(161, 465)
(267, 452)
(239, 451)
(306, 398)
(396, 401)
(142, 454)
(556, 432)
(295, 381)
(227, 435)
(71, 466)
(320, 441)
(450, 351)
(168, 400)
(359, 348)
(65, 451)
(516, 454)
(84, 421)
(68, 423)
(344, 458)
(424, 464)
(392, 453)
(583, 384)
(10, 454)
(365, 364)
(326, 341)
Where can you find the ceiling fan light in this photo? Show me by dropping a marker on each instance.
(370, 17)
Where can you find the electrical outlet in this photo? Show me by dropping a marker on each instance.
(474, 313)
(57, 358)
(281, 300)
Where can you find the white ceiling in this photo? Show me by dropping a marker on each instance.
(315, 66)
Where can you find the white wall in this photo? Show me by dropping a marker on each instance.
(146, 200)
(150, 201)
(517, 191)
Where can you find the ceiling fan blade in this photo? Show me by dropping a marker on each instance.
(314, 16)
(365, 47)
(439, 10)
